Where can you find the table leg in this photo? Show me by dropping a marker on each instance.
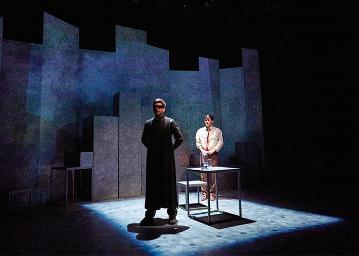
(30, 201)
(73, 183)
(215, 178)
(198, 194)
(178, 192)
(239, 194)
(208, 198)
(67, 188)
(187, 194)
(51, 184)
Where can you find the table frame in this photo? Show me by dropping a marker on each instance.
(215, 170)
(67, 169)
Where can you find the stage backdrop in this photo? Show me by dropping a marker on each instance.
(57, 99)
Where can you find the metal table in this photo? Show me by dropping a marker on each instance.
(215, 170)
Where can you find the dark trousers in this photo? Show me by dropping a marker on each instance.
(150, 213)
(211, 178)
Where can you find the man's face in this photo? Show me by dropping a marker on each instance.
(158, 109)
(208, 122)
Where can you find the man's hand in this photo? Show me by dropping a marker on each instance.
(210, 152)
(204, 152)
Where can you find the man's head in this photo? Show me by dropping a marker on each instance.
(208, 120)
(159, 107)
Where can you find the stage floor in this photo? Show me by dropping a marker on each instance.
(111, 227)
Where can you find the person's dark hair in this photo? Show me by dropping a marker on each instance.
(159, 100)
(210, 116)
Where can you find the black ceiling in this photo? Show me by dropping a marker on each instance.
(209, 28)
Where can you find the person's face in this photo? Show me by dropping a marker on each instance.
(158, 109)
(208, 122)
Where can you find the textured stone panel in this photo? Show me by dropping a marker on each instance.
(33, 96)
(233, 103)
(141, 69)
(105, 158)
(97, 82)
(1, 31)
(156, 80)
(193, 93)
(60, 94)
(126, 34)
(129, 141)
(214, 81)
(254, 120)
(32, 127)
(131, 76)
(206, 92)
(186, 110)
(16, 57)
(157, 70)
(130, 58)
(19, 140)
(146, 113)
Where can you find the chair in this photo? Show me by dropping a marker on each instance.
(194, 160)
(76, 162)
(191, 183)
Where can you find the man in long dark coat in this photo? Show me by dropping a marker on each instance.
(161, 189)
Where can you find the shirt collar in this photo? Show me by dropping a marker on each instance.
(159, 118)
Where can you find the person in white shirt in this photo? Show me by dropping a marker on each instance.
(209, 141)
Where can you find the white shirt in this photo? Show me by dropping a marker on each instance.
(215, 139)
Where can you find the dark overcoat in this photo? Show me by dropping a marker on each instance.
(160, 168)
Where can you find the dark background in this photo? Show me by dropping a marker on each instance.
(308, 56)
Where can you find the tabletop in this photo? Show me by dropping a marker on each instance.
(213, 169)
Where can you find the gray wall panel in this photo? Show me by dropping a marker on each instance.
(105, 158)
(1, 31)
(59, 95)
(19, 110)
(233, 104)
(129, 137)
(254, 121)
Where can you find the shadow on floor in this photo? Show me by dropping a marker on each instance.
(223, 220)
(160, 227)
